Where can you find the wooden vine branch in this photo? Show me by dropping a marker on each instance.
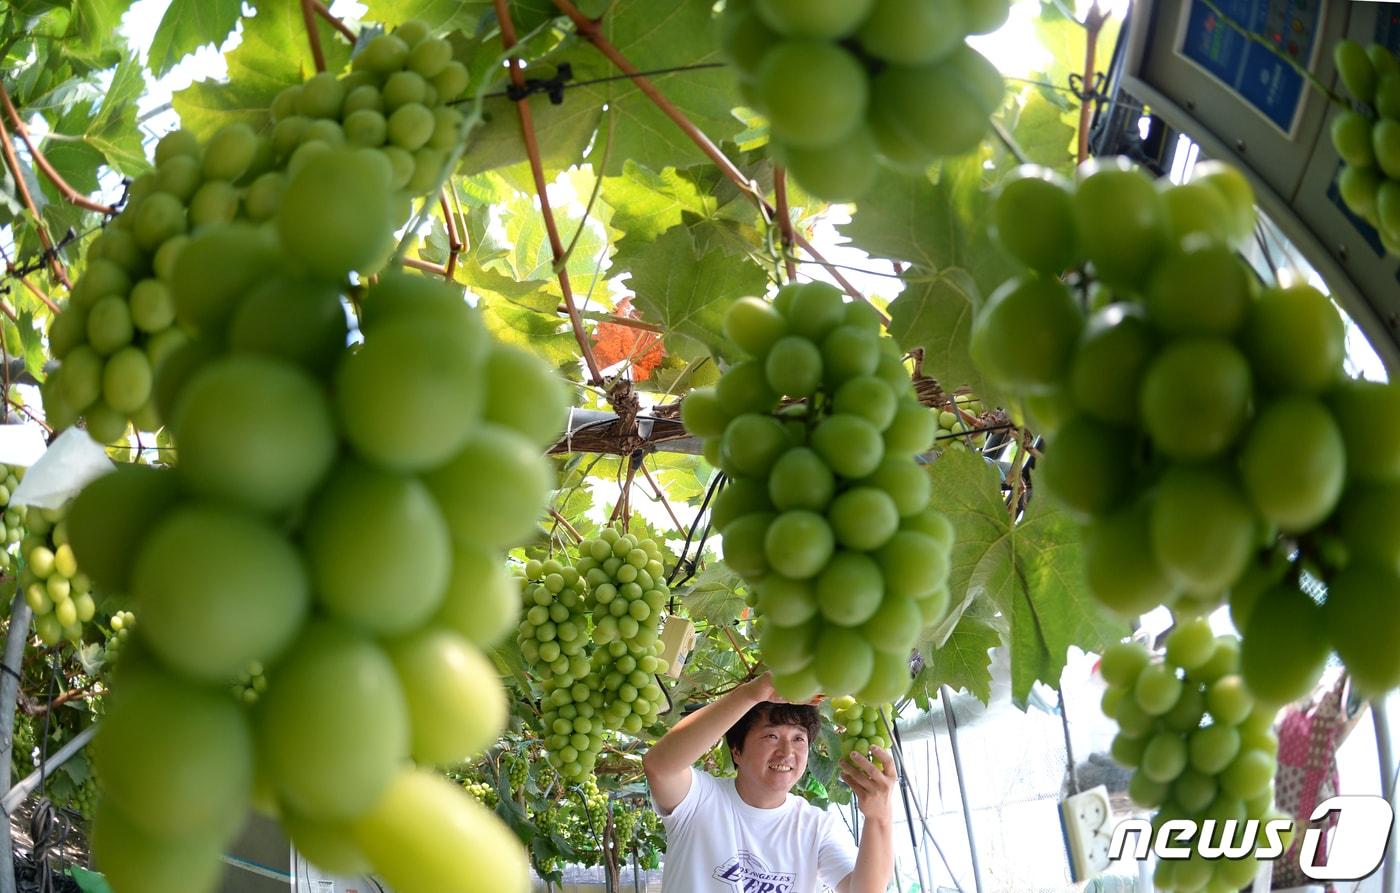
(35, 290)
(661, 495)
(454, 241)
(532, 149)
(69, 194)
(426, 266)
(334, 22)
(12, 161)
(1093, 24)
(591, 32)
(564, 522)
(614, 319)
(308, 15)
(784, 220)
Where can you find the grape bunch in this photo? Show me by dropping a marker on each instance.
(136, 304)
(627, 590)
(11, 516)
(957, 425)
(847, 84)
(554, 640)
(860, 727)
(1199, 745)
(84, 799)
(395, 100)
(1368, 137)
(121, 624)
(826, 513)
(483, 792)
(58, 592)
(338, 516)
(251, 683)
(1204, 430)
(517, 772)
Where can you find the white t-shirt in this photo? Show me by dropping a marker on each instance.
(717, 843)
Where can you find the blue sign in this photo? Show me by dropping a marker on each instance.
(1257, 74)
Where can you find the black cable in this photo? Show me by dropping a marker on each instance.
(556, 85)
(684, 561)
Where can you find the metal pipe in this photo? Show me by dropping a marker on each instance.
(9, 695)
(946, 695)
(1385, 752)
(32, 781)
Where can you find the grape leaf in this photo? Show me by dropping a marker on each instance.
(1031, 571)
(188, 25)
(545, 334)
(674, 35)
(942, 229)
(1043, 134)
(93, 40)
(113, 131)
(687, 293)
(936, 314)
(961, 662)
(274, 54)
(714, 595)
(440, 15)
(646, 204)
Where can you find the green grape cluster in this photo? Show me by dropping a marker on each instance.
(23, 741)
(483, 792)
(627, 590)
(517, 772)
(58, 592)
(1199, 745)
(84, 799)
(11, 516)
(826, 513)
(121, 624)
(593, 810)
(338, 515)
(1204, 430)
(957, 425)
(395, 99)
(251, 683)
(554, 639)
(860, 727)
(224, 204)
(626, 822)
(847, 84)
(1368, 137)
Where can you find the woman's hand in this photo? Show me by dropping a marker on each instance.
(873, 786)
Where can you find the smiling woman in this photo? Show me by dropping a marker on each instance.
(751, 832)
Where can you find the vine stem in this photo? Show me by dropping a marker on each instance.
(40, 161)
(47, 301)
(617, 320)
(594, 35)
(661, 495)
(334, 22)
(308, 14)
(1093, 24)
(784, 220)
(426, 266)
(564, 522)
(532, 149)
(12, 161)
(454, 241)
(748, 668)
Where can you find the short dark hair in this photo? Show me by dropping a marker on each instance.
(771, 713)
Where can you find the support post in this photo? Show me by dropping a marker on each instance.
(9, 695)
(946, 695)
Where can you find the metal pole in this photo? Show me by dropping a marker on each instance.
(23, 789)
(1385, 751)
(9, 695)
(946, 695)
(898, 747)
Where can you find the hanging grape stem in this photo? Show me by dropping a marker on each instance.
(308, 15)
(532, 150)
(22, 185)
(1093, 24)
(69, 194)
(334, 22)
(784, 216)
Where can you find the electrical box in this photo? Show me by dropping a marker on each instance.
(1087, 819)
(677, 640)
(1242, 103)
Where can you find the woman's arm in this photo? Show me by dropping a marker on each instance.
(875, 789)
